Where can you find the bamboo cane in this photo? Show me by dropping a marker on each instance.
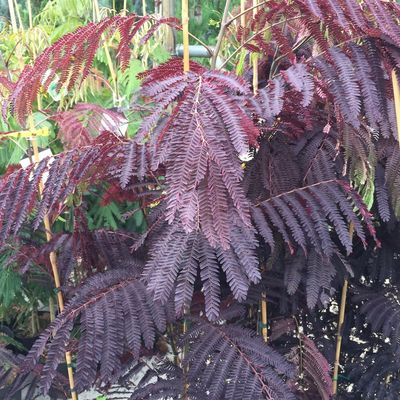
(342, 309)
(339, 336)
(18, 15)
(12, 16)
(396, 93)
(264, 310)
(54, 267)
(264, 307)
(255, 58)
(242, 13)
(185, 30)
(52, 310)
(186, 69)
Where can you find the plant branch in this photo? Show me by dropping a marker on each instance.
(221, 34)
(245, 12)
(254, 35)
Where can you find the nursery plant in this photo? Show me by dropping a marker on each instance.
(264, 261)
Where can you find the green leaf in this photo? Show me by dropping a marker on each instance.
(105, 216)
(160, 54)
(7, 340)
(10, 286)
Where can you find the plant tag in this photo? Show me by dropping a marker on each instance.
(27, 134)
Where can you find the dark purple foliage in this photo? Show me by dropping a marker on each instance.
(284, 193)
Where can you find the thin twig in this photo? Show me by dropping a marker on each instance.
(243, 12)
(254, 35)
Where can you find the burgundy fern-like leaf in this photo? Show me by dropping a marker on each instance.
(70, 59)
(348, 79)
(66, 171)
(206, 131)
(299, 78)
(319, 204)
(312, 367)
(19, 192)
(80, 125)
(343, 87)
(385, 20)
(354, 12)
(367, 85)
(381, 310)
(316, 272)
(231, 362)
(271, 99)
(116, 315)
(179, 258)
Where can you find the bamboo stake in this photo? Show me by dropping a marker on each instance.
(185, 30)
(255, 57)
(264, 307)
(186, 69)
(396, 93)
(54, 267)
(18, 15)
(264, 310)
(12, 16)
(125, 9)
(242, 13)
(52, 310)
(342, 309)
(339, 336)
